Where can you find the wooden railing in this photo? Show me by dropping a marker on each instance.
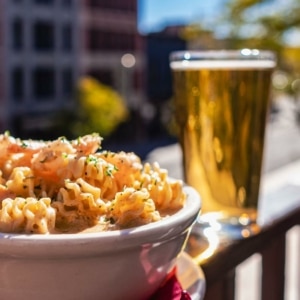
(280, 211)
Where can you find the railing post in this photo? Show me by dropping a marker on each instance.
(273, 268)
(223, 289)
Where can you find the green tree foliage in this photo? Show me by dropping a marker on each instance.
(261, 24)
(99, 108)
(102, 109)
(268, 24)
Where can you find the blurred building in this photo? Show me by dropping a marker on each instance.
(46, 45)
(39, 46)
(159, 78)
(158, 49)
(112, 49)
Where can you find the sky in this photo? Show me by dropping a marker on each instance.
(154, 15)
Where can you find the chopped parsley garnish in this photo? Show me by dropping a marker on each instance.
(24, 144)
(92, 159)
(110, 170)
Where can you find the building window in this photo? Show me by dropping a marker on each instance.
(43, 36)
(44, 2)
(17, 84)
(67, 82)
(121, 5)
(66, 3)
(106, 41)
(43, 83)
(67, 39)
(103, 76)
(17, 34)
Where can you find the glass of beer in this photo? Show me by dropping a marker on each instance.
(221, 103)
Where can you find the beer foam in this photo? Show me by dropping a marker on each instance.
(222, 64)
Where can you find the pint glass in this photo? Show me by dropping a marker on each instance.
(221, 100)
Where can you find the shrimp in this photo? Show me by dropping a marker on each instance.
(55, 155)
(87, 144)
(49, 159)
(16, 152)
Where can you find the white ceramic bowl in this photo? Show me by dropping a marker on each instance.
(122, 264)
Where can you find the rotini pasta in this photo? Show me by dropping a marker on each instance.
(73, 186)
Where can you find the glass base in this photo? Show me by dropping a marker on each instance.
(227, 227)
(212, 231)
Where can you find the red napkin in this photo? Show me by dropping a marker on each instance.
(171, 289)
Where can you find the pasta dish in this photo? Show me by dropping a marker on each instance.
(68, 186)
